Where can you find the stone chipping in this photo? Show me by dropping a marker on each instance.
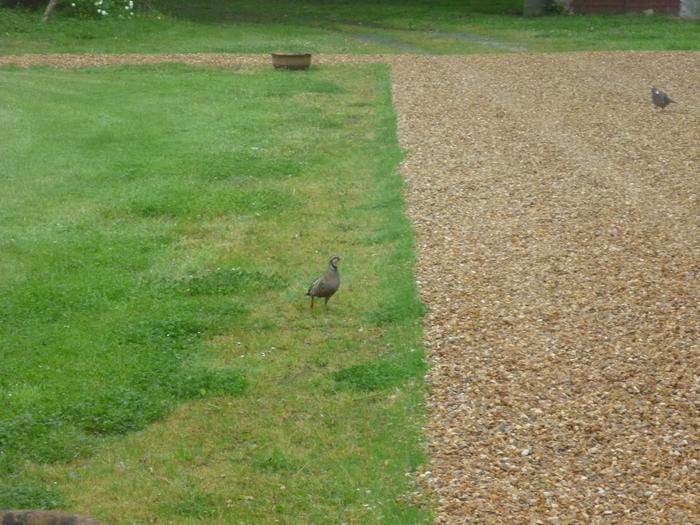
(557, 222)
(557, 217)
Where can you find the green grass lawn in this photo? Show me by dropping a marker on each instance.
(160, 226)
(344, 26)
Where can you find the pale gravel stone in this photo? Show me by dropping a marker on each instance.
(559, 253)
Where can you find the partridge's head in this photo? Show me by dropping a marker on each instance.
(334, 261)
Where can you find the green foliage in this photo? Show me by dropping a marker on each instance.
(383, 373)
(396, 311)
(275, 461)
(191, 504)
(553, 7)
(119, 410)
(101, 8)
(20, 495)
(227, 281)
(200, 382)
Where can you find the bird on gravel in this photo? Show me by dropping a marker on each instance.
(327, 284)
(659, 98)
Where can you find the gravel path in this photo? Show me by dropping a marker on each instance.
(71, 60)
(557, 215)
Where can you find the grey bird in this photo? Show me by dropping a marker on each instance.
(659, 98)
(327, 284)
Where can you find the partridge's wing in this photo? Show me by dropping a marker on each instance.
(316, 286)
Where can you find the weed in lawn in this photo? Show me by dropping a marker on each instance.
(275, 461)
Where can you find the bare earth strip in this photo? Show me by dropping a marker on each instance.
(557, 215)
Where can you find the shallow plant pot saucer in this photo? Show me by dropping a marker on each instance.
(283, 60)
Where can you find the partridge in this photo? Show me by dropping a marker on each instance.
(659, 98)
(327, 284)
